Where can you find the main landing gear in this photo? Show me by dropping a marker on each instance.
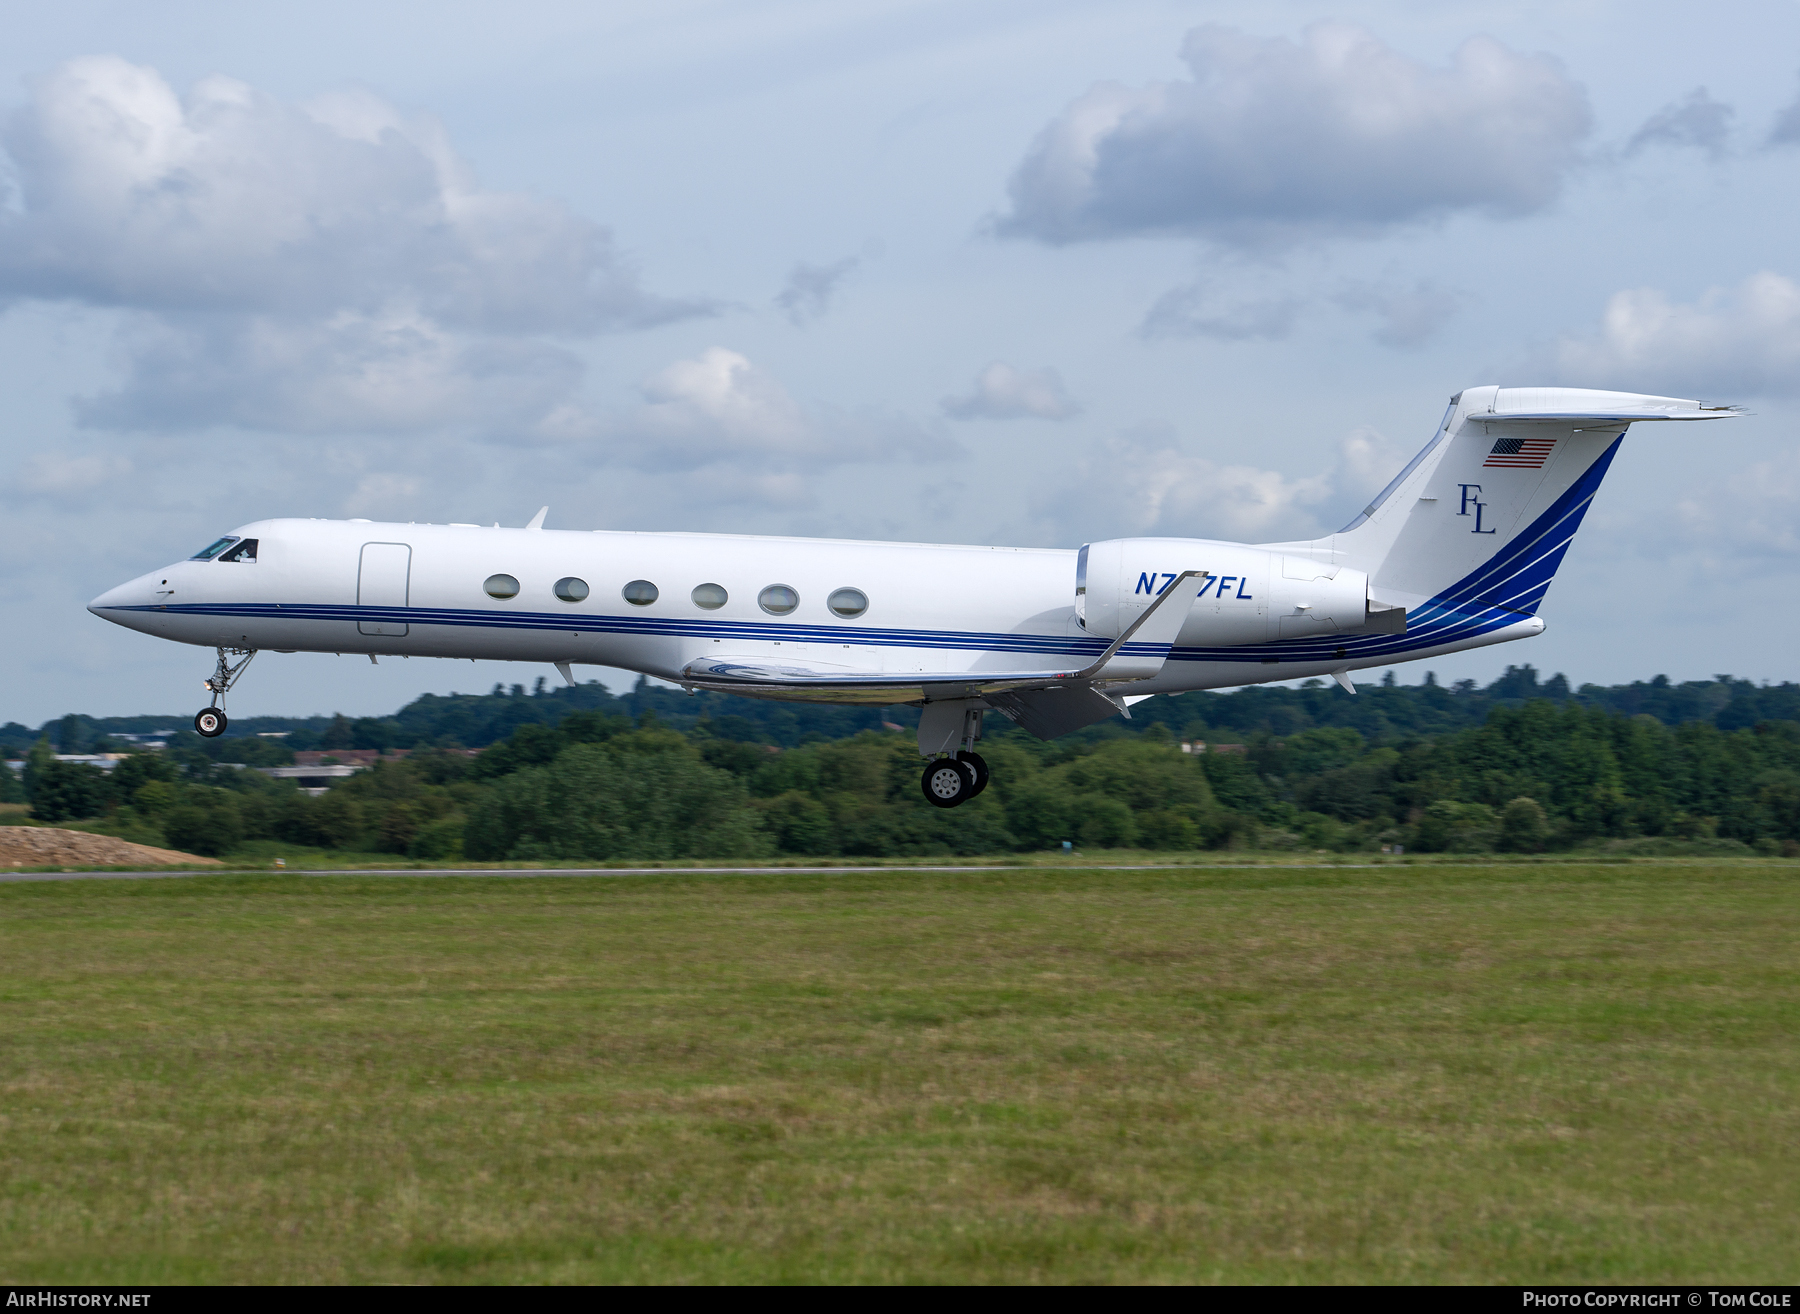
(950, 781)
(959, 774)
(211, 721)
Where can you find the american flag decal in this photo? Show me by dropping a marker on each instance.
(1519, 453)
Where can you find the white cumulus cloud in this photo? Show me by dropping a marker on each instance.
(1697, 121)
(77, 476)
(809, 289)
(1754, 512)
(1785, 131)
(1410, 315)
(1143, 482)
(738, 434)
(393, 371)
(1197, 310)
(1002, 392)
(1277, 140)
(297, 258)
(1730, 342)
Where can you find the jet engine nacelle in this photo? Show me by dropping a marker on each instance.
(1252, 595)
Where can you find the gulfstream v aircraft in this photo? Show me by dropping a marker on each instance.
(1457, 552)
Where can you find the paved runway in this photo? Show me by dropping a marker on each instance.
(17, 876)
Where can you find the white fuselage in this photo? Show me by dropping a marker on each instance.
(419, 590)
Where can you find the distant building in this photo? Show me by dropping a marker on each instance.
(155, 741)
(105, 761)
(317, 769)
(358, 757)
(1201, 746)
(314, 779)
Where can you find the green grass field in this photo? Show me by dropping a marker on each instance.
(1455, 1073)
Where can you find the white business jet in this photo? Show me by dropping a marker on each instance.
(1457, 552)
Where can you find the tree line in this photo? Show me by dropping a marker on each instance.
(600, 785)
(1383, 712)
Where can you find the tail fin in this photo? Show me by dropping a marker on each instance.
(1480, 519)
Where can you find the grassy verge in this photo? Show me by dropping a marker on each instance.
(1543, 1072)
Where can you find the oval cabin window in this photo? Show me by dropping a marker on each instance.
(639, 593)
(778, 599)
(501, 586)
(572, 589)
(710, 596)
(848, 603)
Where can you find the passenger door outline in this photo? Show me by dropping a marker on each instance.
(383, 579)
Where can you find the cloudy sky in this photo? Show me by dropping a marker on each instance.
(1032, 273)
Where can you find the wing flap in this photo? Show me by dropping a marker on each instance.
(761, 677)
(1048, 713)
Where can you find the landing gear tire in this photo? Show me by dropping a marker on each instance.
(979, 765)
(210, 723)
(947, 782)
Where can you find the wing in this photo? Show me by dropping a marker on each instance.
(1137, 654)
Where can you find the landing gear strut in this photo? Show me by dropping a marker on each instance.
(211, 721)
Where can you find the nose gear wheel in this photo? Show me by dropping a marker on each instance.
(211, 721)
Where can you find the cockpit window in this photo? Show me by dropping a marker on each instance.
(212, 550)
(244, 551)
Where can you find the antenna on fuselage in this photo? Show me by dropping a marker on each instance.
(537, 521)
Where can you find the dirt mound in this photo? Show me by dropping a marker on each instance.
(43, 846)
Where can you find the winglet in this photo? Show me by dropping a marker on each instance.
(1156, 628)
(537, 521)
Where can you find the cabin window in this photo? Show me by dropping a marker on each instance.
(212, 550)
(778, 599)
(501, 586)
(848, 603)
(571, 589)
(710, 597)
(640, 593)
(244, 551)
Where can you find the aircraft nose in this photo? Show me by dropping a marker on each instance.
(132, 593)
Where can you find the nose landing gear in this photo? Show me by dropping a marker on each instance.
(211, 721)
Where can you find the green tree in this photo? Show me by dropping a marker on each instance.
(1043, 813)
(63, 791)
(1523, 827)
(799, 824)
(334, 821)
(206, 823)
(12, 787)
(645, 795)
(1779, 799)
(438, 841)
(1104, 823)
(1167, 830)
(138, 770)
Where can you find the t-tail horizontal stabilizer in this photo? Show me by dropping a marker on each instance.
(1468, 536)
